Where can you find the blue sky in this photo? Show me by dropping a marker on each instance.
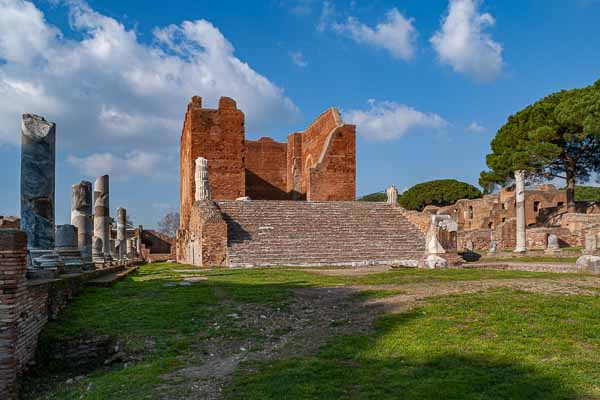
(427, 82)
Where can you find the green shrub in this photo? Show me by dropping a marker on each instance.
(587, 193)
(438, 193)
(374, 197)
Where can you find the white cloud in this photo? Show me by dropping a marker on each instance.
(475, 127)
(134, 163)
(298, 59)
(108, 90)
(463, 43)
(327, 12)
(299, 7)
(396, 35)
(387, 120)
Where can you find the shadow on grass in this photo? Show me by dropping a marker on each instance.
(376, 367)
(153, 306)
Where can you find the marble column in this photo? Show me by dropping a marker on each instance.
(113, 249)
(392, 195)
(121, 232)
(129, 248)
(97, 250)
(521, 245)
(81, 217)
(201, 178)
(102, 213)
(38, 157)
(138, 242)
(67, 247)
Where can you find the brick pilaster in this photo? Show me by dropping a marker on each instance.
(13, 258)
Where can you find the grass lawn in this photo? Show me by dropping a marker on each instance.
(496, 344)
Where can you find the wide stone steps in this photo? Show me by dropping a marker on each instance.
(262, 233)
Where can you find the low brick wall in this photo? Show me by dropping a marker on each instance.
(27, 305)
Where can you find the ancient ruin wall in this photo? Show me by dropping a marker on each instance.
(205, 242)
(334, 175)
(218, 136)
(314, 139)
(266, 169)
(294, 167)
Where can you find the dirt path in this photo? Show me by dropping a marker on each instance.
(316, 315)
(301, 328)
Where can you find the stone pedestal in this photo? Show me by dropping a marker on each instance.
(521, 244)
(113, 249)
(102, 214)
(552, 246)
(588, 264)
(67, 248)
(98, 252)
(493, 250)
(82, 219)
(591, 244)
(38, 156)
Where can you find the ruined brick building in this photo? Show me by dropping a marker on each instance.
(301, 208)
(316, 164)
(493, 217)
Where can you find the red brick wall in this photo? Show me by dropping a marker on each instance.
(294, 166)
(313, 141)
(334, 177)
(266, 169)
(218, 136)
(12, 288)
(205, 242)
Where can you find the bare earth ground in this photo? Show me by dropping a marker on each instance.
(318, 314)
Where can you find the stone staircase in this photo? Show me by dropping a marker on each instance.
(299, 233)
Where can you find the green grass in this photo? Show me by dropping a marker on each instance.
(499, 345)
(535, 259)
(179, 319)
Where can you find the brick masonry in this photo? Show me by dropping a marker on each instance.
(316, 164)
(493, 217)
(266, 233)
(26, 305)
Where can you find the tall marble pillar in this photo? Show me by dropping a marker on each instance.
(38, 157)
(201, 178)
(81, 217)
(102, 213)
(121, 232)
(521, 245)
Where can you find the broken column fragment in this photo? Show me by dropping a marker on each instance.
(67, 248)
(102, 213)
(121, 242)
(81, 217)
(201, 179)
(38, 164)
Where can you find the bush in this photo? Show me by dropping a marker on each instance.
(374, 197)
(438, 193)
(587, 193)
